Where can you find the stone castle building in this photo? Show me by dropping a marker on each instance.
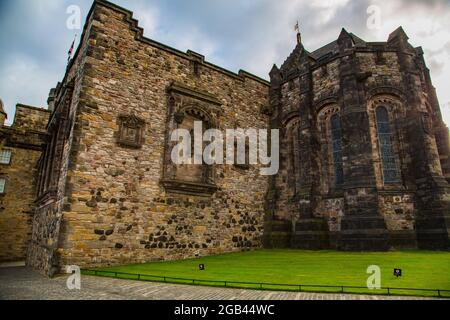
(20, 149)
(364, 153)
(366, 156)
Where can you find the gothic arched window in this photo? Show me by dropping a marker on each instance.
(336, 137)
(388, 158)
(293, 148)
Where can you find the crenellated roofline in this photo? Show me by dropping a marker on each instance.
(139, 36)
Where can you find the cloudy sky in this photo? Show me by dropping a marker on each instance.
(240, 34)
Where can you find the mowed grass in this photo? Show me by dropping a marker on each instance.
(421, 269)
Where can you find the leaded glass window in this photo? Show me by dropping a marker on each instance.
(2, 185)
(388, 158)
(336, 137)
(5, 156)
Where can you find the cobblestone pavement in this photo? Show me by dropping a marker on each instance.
(20, 283)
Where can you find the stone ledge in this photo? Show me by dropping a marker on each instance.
(189, 188)
(194, 93)
(46, 197)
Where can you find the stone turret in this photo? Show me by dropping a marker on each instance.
(51, 99)
(3, 115)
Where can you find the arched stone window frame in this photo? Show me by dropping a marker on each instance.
(327, 161)
(292, 125)
(182, 101)
(199, 113)
(395, 109)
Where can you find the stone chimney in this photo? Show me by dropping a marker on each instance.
(3, 115)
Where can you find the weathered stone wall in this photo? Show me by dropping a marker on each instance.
(16, 207)
(326, 81)
(30, 118)
(108, 192)
(17, 202)
(114, 208)
(52, 181)
(351, 79)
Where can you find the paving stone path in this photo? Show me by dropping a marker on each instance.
(20, 283)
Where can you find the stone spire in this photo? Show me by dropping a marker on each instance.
(299, 35)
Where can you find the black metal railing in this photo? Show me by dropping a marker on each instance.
(441, 293)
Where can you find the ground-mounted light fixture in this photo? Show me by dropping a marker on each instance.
(398, 272)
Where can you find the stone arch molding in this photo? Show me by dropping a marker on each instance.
(326, 111)
(292, 123)
(287, 119)
(323, 103)
(197, 111)
(393, 92)
(393, 103)
(291, 140)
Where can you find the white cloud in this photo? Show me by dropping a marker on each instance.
(427, 23)
(328, 9)
(250, 35)
(24, 81)
(191, 38)
(148, 19)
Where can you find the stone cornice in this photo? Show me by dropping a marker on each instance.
(30, 139)
(193, 92)
(189, 188)
(32, 108)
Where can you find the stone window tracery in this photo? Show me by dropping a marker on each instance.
(387, 140)
(331, 160)
(388, 157)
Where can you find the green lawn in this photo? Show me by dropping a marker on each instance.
(421, 269)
